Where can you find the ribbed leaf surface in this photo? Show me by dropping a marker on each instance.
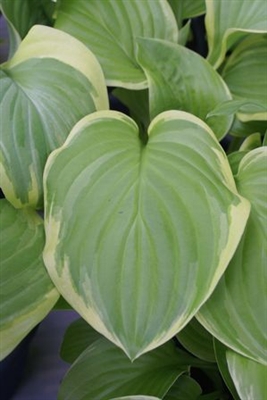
(236, 312)
(26, 291)
(249, 376)
(103, 372)
(45, 90)
(139, 235)
(109, 29)
(246, 76)
(228, 21)
(175, 85)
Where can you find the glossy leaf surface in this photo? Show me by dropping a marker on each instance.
(234, 313)
(228, 21)
(122, 216)
(109, 29)
(103, 372)
(175, 84)
(246, 77)
(249, 376)
(26, 291)
(45, 90)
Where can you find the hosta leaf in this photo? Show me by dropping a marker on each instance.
(137, 103)
(103, 372)
(236, 312)
(26, 291)
(246, 77)
(139, 235)
(243, 129)
(77, 338)
(228, 21)
(249, 376)
(184, 9)
(251, 142)
(220, 352)
(22, 15)
(109, 29)
(197, 340)
(45, 90)
(175, 84)
(184, 388)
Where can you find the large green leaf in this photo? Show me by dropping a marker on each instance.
(176, 85)
(184, 9)
(26, 291)
(246, 77)
(139, 235)
(109, 29)
(45, 90)
(197, 340)
(236, 312)
(249, 376)
(103, 371)
(228, 21)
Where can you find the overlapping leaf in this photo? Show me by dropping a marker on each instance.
(220, 352)
(246, 77)
(249, 376)
(109, 29)
(45, 90)
(175, 85)
(228, 21)
(197, 341)
(26, 291)
(103, 372)
(234, 313)
(139, 235)
(184, 388)
(22, 15)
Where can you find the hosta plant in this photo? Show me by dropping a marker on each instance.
(150, 223)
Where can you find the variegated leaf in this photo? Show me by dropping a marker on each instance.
(138, 234)
(45, 90)
(26, 291)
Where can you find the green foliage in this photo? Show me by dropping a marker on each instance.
(151, 232)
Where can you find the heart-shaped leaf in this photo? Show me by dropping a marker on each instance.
(228, 21)
(45, 90)
(109, 29)
(175, 84)
(234, 314)
(138, 235)
(245, 75)
(103, 372)
(249, 376)
(26, 291)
